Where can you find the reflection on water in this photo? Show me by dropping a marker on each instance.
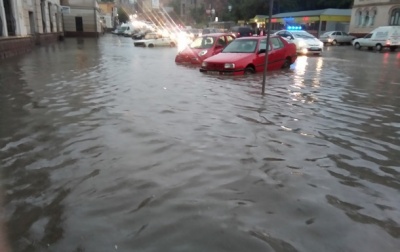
(108, 147)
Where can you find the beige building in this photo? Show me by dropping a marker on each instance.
(29, 17)
(82, 19)
(26, 23)
(369, 14)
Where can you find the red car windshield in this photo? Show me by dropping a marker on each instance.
(241, 46)
(202, 43)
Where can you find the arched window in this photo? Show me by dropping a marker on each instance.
(372, 17)
(359, 18)
(366, 18)
(395, 17)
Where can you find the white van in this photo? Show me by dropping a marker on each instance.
(384, 36)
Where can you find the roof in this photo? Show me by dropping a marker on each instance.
(326, 12)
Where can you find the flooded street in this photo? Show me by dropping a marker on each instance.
(108, 147)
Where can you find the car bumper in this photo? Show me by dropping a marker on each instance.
(188, 60)
(326, 40)
(222, 72)
(310, 50)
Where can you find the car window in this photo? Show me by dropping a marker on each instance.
(368, 35)
(202, 43)
(282, 33)
(302, 35)
(221, 41)
(339, 33)
(334, 33)
(241, 46)
(276, 43)
(229, 39)
(263, 45)
(345, 34)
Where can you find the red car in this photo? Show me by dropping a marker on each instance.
(247, 55)
(204, 47)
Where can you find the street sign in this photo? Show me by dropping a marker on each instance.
(65, 9)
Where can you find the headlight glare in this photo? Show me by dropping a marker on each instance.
(204, 64)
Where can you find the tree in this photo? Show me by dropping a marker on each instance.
(122, 16)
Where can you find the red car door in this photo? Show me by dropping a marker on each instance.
(259, 60)
(277, 56)
(259, 57)
(219, 45)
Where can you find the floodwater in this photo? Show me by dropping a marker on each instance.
(108, 147)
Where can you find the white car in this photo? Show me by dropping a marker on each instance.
(153, 40)
(305, 42)
(379, 38)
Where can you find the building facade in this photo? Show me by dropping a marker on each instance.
(29, 17)
(369, 14)
(26, 23)
(315, 22)
(83, 18)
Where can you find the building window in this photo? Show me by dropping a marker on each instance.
(372, 18)
(366, 19)
(359, 18)
(395, 17)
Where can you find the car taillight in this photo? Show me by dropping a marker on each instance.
(238, 34)
(388, 42)
(251, 34)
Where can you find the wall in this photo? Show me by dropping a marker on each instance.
(379, 10)
(90, 18)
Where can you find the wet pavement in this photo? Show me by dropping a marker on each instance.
(108, 147)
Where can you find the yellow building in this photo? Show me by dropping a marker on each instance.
(315, 22)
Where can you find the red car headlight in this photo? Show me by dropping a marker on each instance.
(202, 53)
(229, 65)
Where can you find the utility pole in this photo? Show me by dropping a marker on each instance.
(267, 46)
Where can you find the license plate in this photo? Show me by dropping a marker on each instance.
(213, 72)
(314, 48)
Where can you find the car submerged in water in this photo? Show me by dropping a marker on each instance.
(247, 55)
(204, 47)
(154, 40)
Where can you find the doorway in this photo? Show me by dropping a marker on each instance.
(32, 23)
(10, 20)
(79, 24)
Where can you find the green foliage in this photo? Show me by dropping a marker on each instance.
(122, 16)
(198, 15)
(176, 4)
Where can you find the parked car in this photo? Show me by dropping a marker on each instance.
(204, 47)
(241, 31)
(247, 55)
(379, 38)
(154, 40)
(305, 42)
(336, 37)
(210, 30)
(140, 34)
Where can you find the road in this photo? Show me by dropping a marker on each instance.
(108, 147)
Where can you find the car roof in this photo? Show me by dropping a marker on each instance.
(216, 34)
(257, 37)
